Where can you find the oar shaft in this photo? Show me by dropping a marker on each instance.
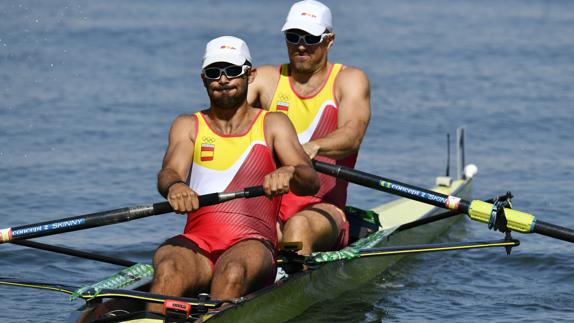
(74, 252)
(554, 231)
(82, 222)
(477, 210)
(114, 216)
(393, 251)
(393, 187)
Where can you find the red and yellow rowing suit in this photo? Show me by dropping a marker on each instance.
(227, 163)
(313, 117)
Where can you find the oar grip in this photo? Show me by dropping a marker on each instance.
(554, 231)
(215, 198)
(162, 208)
(254, 191)
(208, 199)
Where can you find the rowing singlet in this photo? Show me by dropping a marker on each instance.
(314, 117)
(227, 163)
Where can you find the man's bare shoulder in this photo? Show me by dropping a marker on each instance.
(278, 122)
(267, 74)
(185, 119)
(184, 124)
(263, 86)
(276, 118)
(351, 74)
(268, 69)
(352, 80)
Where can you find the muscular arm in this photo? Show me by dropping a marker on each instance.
(354, 113)
(295, 163)
(261, 90)
(179, 154)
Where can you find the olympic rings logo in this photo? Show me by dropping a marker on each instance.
(283, 97)
(208, 140)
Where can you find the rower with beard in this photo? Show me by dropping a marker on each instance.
(329, 105)
(227, 249)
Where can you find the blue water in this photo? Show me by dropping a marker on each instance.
(88, 90)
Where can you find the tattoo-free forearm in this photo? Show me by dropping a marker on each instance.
(304, 181)
(165, 179)
(339, 143)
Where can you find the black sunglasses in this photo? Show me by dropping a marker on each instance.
(294, 38)
(231, 72)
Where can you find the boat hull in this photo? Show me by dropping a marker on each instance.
(292, 296)
(333, 279)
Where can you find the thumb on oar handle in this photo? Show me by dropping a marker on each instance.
(554, 231)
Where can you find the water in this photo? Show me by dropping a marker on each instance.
(88, 91)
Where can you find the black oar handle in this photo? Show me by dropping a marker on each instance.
(554, 231)
(114, 216)
(216, 198)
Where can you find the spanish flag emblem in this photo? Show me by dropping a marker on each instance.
(282, 106)
(207, 152)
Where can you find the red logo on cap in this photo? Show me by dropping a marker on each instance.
(308, 14)
(226, 46)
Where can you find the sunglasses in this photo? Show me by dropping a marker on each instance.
(311, 40)
(231, 72)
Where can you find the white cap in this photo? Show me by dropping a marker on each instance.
(226, 49)
(309, 15)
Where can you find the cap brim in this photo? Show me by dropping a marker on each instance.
(311, 28)
(231, 59)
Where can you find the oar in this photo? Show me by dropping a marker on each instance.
(114, 216)
(295, 260)
(477, 210)
(74, 252)
(401, 250)
(115, 293)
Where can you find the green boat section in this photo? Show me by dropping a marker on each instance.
(138, 272)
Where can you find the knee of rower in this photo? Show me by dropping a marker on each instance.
(295, 225)
(233, 274)
(165, 268)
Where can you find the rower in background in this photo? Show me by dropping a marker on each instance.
(329, 105)
(228, 249)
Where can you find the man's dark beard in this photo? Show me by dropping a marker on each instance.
(228, 101)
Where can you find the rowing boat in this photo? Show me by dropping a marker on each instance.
(289, 296)
(297, 292)
(381, 236)
(304, 289)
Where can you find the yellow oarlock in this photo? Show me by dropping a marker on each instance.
(516, 220)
